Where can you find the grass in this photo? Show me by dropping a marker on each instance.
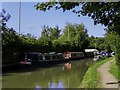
(114, 70)
(92, 77)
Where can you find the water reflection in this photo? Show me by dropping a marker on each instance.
(52, 77)
(96, 57)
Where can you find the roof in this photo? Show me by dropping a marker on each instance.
(91, 50)
(76, 52)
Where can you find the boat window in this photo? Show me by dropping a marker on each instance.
(35, 57)
(54, 57)
(78, 54)
(58, 57)
(61, 56)
(28, 56)
(32, 57)
(72, 55)
(40, 58)
(47, 57)
(75, 54)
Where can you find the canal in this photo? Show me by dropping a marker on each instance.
(49, 77)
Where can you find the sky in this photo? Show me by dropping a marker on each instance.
(36, 19)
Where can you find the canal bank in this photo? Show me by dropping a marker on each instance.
(92, 78)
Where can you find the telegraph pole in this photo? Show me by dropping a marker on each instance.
(19, 16)
(68, 35)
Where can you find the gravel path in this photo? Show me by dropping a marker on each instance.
(106, 76)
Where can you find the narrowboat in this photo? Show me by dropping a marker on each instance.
(32, 58)
(73, 55)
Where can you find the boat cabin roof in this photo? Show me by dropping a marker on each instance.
(44, 53)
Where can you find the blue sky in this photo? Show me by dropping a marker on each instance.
(30, 17)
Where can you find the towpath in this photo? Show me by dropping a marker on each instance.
(106, 76)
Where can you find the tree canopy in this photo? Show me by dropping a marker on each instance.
(106, 13)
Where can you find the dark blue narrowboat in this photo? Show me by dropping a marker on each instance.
(32, 58)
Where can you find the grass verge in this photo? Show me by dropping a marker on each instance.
(92, 78)
(114, 69)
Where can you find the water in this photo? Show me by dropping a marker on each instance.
(50, 77)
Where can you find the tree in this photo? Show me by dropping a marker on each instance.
(75, 36)
(48, 37)
(100, 43)
(114, 39)
(51, 33)
(9, 38)
(4, 17)
(54, 33)
(13, 45)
